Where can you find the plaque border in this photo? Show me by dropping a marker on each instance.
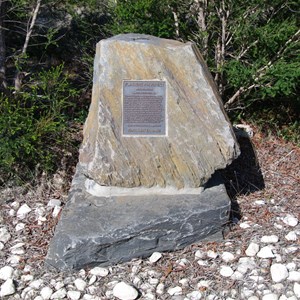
(166, 111)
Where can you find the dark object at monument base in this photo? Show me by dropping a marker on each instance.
(118, 229)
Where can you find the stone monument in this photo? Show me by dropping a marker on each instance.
(155, 135)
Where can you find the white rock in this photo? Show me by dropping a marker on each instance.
(98, 271)
(245, 264)
(283, 297)
(227, 257)
(80, 284)
(212, 254)
(19, 227)
(27, 277)
(291, 266)
(294, 276)
(125, 291)
(226, 271)
(269, 239)
(160, 289)
(290, 250)
(260, 202)
(184, 281)
(237, 276)
(73, 295)
(266, 252)
(12, 213)
(291, 236)
(1, 246)
(278, 287)
(59, 285)
(156, 256)
(54, 202)
(46, 292)
(14, 260)
(271, 296)
(6, 272)
(56, 211)
(154, 281)
(279, 272)
(4, 235)
(175, 291)
(23, 211)
(200, 254)
(252, 249)
(38, 298)
(36, 284)
(201, 262)
(195, 295)
(15, 205)
(290, 220)
(247, 292)
(60, 294)
(245, 225)
(93, 279)
(149, 296)
(7, 288)
(253, 298)
(296, 289)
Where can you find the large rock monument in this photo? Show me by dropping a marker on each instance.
(155, 135)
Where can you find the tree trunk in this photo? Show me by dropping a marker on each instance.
(3, 83)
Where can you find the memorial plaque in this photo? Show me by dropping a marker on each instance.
(144, 108)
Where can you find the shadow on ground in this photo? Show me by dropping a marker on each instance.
(243, 176)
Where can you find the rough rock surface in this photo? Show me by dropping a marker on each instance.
(199, 138)
(124, 227)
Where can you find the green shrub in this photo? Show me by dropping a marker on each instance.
(33, 122)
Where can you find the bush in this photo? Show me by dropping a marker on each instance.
(33, 123)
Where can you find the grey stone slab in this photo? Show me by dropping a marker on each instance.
(103, 231)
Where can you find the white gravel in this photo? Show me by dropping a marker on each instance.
(259, 263)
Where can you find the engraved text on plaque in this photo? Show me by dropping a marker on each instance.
(144, 107)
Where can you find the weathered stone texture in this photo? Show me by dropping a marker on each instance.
(103, 231)
(200, 139)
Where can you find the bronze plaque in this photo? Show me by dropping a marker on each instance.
(144, 107)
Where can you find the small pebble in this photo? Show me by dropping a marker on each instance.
(125, 291)
(290, 220)
(156, 256)
(252, 249)
(7, 288)
(98, 271)
(175, 291)
(160, 289)
(227, 257)
(226, 271)
(4, 235)
(271, 296)
(279, 272)
(46, 292)
(266, 252)
(54, 202)
(294, 276)
(80, 284)
(297, 289)
(269, 239)
(195, 295)
(23, 211)
(60, 294)
(6, 272)
(73, 295)
(212, 254)
(291, 236)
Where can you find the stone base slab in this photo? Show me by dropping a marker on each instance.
(96, 230)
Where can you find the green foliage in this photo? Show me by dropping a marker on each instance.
(32, 123)
(145, 16)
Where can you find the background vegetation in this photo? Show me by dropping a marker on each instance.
(46, 60)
